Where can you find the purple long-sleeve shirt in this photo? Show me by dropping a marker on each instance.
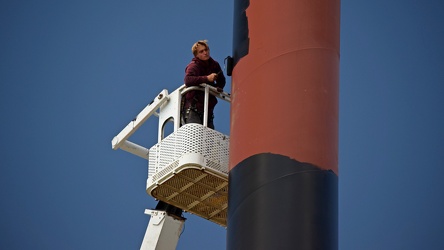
(196, 73)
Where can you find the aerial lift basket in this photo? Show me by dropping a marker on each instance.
(189, 170)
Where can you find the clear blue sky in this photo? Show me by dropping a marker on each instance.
(74, 73)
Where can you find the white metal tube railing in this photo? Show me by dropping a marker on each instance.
(208, 89)
(121, 140)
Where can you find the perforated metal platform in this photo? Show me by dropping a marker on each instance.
(189, 169)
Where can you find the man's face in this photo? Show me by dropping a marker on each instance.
(202, 52)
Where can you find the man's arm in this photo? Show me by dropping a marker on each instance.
(192, 77)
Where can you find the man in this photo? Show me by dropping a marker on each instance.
(201, 69)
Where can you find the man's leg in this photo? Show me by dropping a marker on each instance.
(210, 121)
(192, 116)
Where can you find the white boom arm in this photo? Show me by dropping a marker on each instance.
(120, 141)
(163, 231)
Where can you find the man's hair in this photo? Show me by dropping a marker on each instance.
(200, 42)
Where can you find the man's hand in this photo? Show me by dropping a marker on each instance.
(212, 77)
